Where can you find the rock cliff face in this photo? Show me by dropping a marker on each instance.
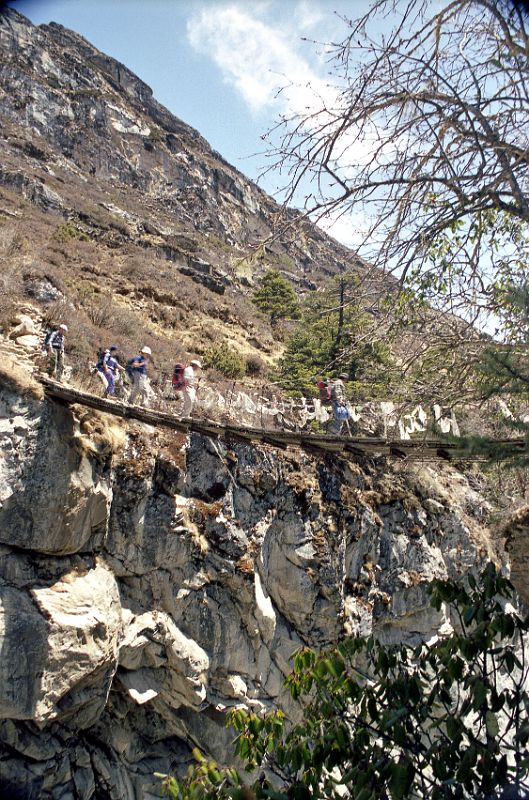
(149, 583)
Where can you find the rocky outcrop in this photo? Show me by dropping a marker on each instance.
(78, 123)
(516, 534)
(144, 592)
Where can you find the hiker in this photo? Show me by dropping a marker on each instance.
(324, 391)
(339, 405)
(54, 346)
(137, 369)
(187, 386)
(107, 368)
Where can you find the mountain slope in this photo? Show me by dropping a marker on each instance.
(153, 213)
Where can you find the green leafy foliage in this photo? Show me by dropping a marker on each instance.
(498, 292)
(226, 360)
(448, 719)
(156, 134)
(334, 337)
(203, 779)
(53, 81)
(502, 373)
(70, 230)
(276, 297)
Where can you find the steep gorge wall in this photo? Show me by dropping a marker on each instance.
(149, 583)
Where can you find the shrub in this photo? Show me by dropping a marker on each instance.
(53, 81)
(331, 339)
(254, 365)
(226, 360)
(156, 134)
(57, 312)
(100, 312)
(446, 720)
(69, 230)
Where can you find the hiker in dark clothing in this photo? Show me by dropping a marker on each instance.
(108, 366)
(54, 344)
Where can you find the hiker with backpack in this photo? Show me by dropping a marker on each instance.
(108, 367)
(324, 390)
(339, 405)
(137, 370)
(185, 381)
(54, 347)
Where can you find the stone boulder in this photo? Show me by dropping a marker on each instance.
(59, 647)
(157, 659)
(54, 495)
(29, 341)
(25, 326)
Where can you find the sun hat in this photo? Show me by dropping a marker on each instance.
(63, 327)
(195, 363)
(146, 350)
(344, 376)
(113, 347)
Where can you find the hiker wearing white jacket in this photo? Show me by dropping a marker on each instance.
(189, 392)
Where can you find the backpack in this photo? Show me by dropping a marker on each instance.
(100, 358)
(325, 393)
(342, 413)
(178, 380)
(57, 336)
(129, 372)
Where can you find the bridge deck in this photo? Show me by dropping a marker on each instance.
(417, 450)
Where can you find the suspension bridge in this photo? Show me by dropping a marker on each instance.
(421, 449)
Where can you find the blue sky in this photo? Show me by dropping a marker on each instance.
(216, 64)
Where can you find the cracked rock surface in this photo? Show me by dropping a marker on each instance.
(144, 594)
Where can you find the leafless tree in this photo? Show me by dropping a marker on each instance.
(425, 136)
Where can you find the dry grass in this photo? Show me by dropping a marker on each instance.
(245, 564)
(197, 537)
(126, 295)
(100, 435)
(16, 378)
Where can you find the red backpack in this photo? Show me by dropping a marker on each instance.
(178, 380)
(325, 393)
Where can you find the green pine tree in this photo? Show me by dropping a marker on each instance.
(276, 297)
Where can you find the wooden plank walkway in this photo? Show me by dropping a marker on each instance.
(416, 450)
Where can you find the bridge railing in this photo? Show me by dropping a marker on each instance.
(253, 408)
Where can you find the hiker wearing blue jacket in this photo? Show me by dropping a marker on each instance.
(340, 408)
(137, 366)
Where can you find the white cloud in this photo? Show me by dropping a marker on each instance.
(258, 51)
(308, 15)
(351, 230)
(256, 58)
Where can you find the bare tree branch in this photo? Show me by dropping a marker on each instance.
(427, 137)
